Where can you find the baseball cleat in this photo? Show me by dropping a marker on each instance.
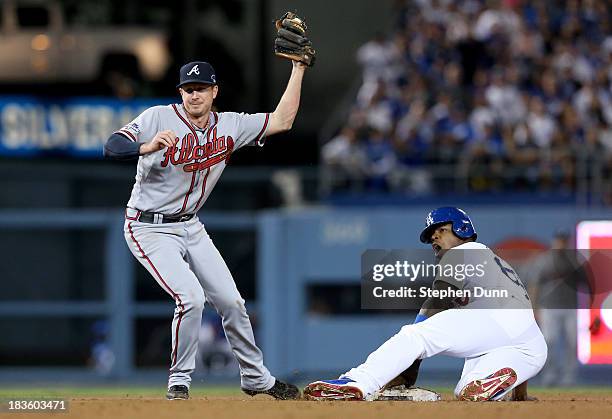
(179, 392)
(488, 388)
(280, 391)
(341, 389)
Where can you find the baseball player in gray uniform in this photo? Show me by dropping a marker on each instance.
(182, 149)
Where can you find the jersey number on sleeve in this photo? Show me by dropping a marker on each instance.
(512, 276)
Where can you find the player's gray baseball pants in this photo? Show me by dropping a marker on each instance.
(186, 264)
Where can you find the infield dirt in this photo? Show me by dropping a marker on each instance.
(557, 406)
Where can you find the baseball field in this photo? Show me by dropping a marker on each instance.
(224, 402)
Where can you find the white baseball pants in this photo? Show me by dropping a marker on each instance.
(488, 340)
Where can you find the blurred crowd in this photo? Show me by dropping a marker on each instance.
(481, 96)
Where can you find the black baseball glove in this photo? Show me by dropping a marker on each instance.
(291, 41)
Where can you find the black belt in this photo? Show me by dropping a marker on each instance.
(156, 218)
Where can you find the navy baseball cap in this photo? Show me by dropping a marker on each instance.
(197, 72)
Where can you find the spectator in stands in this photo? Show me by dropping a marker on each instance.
(503, 97)
(380, 109)
(540, 124)
(344, 157)
(380, 160)
(509, 86)
(523, 157)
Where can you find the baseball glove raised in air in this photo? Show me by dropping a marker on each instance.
(291, 41)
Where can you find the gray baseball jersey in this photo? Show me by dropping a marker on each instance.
(493, 274)
(179, 179)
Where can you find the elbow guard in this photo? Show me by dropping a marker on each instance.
(118, 147)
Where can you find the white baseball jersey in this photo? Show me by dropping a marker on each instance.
(498, 343)
(495, 275)
(179, 179)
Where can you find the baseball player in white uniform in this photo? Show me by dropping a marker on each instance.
(500, 340)
(182, 149)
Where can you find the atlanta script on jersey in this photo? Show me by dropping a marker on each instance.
(179, 179)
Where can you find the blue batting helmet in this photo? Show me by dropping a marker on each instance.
(462, 225)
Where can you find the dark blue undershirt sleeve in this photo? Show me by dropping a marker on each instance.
(118, 147)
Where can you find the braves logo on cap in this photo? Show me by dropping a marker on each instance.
(195, 70)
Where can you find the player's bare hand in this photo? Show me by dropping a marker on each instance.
(161, 140)
(519, 394)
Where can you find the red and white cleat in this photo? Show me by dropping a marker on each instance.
(488, 388)
(341, 389)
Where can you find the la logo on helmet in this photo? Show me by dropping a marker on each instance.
(429, 221)
(195, 70)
